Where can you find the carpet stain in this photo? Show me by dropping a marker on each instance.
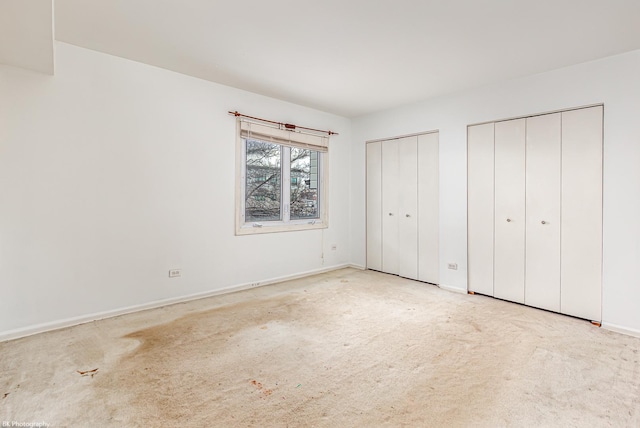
(402, 367)
(261, 388)
(88, 372)
(349, 349)
(200, 360)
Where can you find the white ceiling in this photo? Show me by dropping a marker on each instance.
(353, 57)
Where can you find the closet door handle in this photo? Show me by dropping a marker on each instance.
(390, 214)
(407, 215)
(543, 222)
(508, 220)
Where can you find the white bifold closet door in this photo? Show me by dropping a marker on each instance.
(402, 207)
(582, 213)
(428, 211)
(390, 209)
(535, 211)
(543, 187)
(374, 206)
(509, 219)
(480, 208)
(407, 189)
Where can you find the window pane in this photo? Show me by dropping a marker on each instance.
(263, 187)
(304, 184)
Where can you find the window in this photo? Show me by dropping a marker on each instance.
(281, 182)
(263, 181)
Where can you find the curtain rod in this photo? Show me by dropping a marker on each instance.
(287, 126)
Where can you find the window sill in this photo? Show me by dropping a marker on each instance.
(249, 229)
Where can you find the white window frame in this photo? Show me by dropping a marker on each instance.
(286, 224)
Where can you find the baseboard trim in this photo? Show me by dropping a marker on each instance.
(453, 289)
(70, 322)
(621, 329)
(359, 267)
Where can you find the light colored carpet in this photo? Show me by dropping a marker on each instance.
(344, 349)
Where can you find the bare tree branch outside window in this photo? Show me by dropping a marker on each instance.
(304, 184)
(263, 181)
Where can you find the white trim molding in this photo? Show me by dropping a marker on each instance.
(453, 289)
(620, 329)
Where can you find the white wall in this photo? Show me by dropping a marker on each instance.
(113, 172)
(612, 81)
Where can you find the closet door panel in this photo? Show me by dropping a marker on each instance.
(509, 210)
(428, 208)
(374, 206)
(543, 183)
(408, 207)
(582, 213)
(390, 183)
(480, 215)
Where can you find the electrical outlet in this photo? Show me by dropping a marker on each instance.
(334, 247)
(175, 273)
(453, 266)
